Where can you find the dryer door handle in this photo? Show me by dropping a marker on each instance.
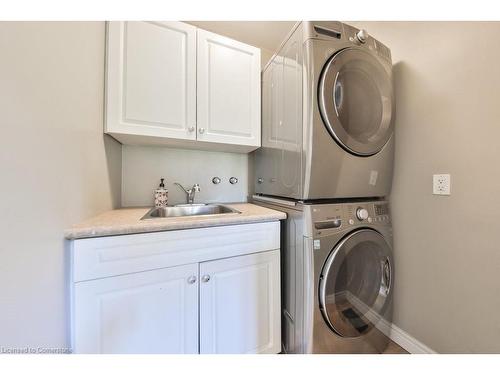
(386, 274)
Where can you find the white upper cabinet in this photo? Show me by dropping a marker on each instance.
(151, 80)
(173, 84)
(228, 91)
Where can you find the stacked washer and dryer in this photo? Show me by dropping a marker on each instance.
(327, 161)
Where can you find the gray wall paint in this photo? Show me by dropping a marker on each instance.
(266, 35)
(56, 166)
(144, 166)
(447, 82)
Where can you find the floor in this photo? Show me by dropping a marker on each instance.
(325, 344)
(394, 348)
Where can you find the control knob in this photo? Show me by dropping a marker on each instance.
(362, 214)
(362, 36)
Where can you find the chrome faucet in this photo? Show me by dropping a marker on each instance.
(189, 193)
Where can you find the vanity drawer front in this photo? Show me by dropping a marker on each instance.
(95, 258)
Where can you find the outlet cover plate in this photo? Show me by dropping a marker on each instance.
(441, 184)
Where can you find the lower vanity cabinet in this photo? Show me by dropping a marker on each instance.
(240, 304)
(140, 313)
(215, 303)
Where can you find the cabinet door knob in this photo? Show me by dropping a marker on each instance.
(191, 129)
(205, 278)
(201, 130)
(191, 279)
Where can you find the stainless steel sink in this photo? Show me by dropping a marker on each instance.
(189, 210)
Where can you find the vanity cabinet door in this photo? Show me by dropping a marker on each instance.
(151, 80)
(240, 304)
(228, 76)
(146, 312)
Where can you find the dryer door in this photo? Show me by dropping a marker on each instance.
(356, 101)
(355, 288)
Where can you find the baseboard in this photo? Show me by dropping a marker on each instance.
(408, 342)
(396, 334)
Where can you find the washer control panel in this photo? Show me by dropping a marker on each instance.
(328, 218)
(362, 213)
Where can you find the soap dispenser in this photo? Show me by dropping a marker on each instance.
(161, 195)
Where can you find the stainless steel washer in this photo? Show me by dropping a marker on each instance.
(337, 275)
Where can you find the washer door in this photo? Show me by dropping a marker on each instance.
(356, 101)
(355, 283)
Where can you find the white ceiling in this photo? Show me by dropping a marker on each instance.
(266, 35)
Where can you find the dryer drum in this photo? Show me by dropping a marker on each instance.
(355, 284)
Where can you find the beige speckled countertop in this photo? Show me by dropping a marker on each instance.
(128, 221)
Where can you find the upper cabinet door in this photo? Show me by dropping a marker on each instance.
(228, 91)
(151, 80)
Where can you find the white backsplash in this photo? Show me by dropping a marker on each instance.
(142, 168)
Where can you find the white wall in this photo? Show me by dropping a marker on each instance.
(144, 166)
(56, 167)
(447, 249)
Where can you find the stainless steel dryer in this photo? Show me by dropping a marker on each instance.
(327, 115)
(337, 276)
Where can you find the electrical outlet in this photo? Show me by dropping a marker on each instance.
(441, 184)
